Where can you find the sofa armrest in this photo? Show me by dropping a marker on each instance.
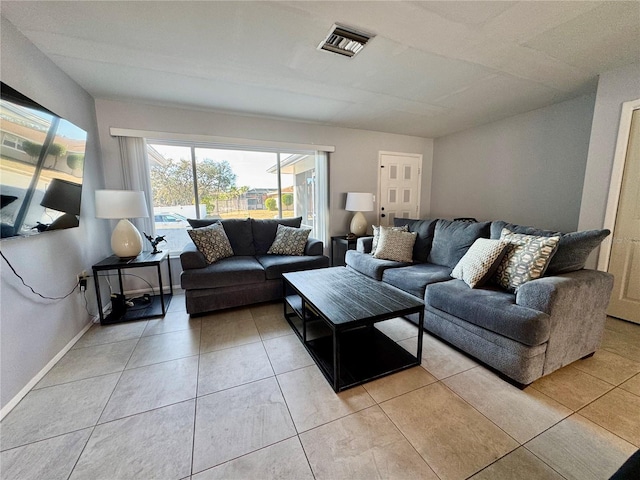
(314, 247)
(577, 304)
(364, 244)
(192, 258)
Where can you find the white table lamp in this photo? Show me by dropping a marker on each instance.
(359, 202)
(126, 241)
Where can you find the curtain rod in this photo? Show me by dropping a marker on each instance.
(230, 142)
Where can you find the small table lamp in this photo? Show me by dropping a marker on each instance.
(126, 241)
(359, 202)
(63, 196)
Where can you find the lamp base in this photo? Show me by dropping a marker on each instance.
(126, 241)
(358, 224)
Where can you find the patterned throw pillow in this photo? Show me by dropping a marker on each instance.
(376, 235)
(526, 258)
(480, 261)
(212, 242)
(289, 241)
(395, 245)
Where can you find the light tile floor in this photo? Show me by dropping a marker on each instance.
(234, 395)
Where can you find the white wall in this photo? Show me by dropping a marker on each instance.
(353, 166)
(34, 330)
(526, 169)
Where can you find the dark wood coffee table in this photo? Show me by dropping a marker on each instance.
(333, 312)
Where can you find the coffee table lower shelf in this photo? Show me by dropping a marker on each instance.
(365, 352)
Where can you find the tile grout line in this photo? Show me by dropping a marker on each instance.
(75, 464)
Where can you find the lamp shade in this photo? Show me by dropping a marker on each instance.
(126, 241)
(63, 196)
(119, 204)
(359, 202)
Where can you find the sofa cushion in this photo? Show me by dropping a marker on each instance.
(480, 262)
(365, 264)
(452, 239)
(573, 250)
(238, 231)
(490, 308)
(415, 278)
(276, 265)
(236, 270)
(212, 242)
(526, 258)
(424, 229)
(264, 231)
(289, 241)
(395, 245)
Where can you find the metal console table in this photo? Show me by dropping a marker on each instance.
(150, 306)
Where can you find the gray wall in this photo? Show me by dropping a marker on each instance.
(527, 169)
(33, 330)
(353, 166)
(614, 88)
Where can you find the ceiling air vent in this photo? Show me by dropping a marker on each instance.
(345, 41)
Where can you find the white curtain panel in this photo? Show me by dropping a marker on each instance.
(321, 230)
(135, 165)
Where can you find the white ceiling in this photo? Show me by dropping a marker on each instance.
(433, 68)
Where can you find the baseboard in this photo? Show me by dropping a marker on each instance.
(32, 383)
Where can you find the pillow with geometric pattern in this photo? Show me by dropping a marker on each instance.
(212, 242)
(289, 241)
(480, 262)
(395, 245)
(526, 258)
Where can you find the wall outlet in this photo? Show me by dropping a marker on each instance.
(82, 280)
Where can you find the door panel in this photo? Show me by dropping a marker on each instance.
(624, 262)
(399, 186)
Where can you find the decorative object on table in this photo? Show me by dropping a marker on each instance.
(154, 242)
(63, 196)
(126, 241)
(359, 202)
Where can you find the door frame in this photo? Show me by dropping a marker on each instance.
(615, 185)
(420, 168)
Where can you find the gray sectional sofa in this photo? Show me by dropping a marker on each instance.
(250, 275)
(546, 324)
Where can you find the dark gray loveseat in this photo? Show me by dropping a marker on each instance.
(548, 323)
(250, 275)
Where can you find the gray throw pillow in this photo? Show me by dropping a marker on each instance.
(289, 241)
(238, 232)
(424, 230)
(452, 239)
(572, 252)
(395, 245)
(526, 258)
(264, 231)
(480, 262)
(212, 242)
(376, 235)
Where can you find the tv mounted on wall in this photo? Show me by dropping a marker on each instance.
(41, 167)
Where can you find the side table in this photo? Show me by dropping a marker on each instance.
(149, 305)
(341, 241)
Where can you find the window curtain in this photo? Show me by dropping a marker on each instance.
(135, 168)
(322, 198)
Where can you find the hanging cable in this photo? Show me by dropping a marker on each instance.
(31, 288)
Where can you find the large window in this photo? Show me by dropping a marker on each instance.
(191, 181)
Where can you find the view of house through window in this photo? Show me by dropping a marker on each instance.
(196, 182)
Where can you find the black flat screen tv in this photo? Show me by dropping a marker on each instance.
(41, 167)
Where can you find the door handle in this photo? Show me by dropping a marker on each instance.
(382, 215)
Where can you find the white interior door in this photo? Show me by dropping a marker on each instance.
(399, 181)
(624, 262)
